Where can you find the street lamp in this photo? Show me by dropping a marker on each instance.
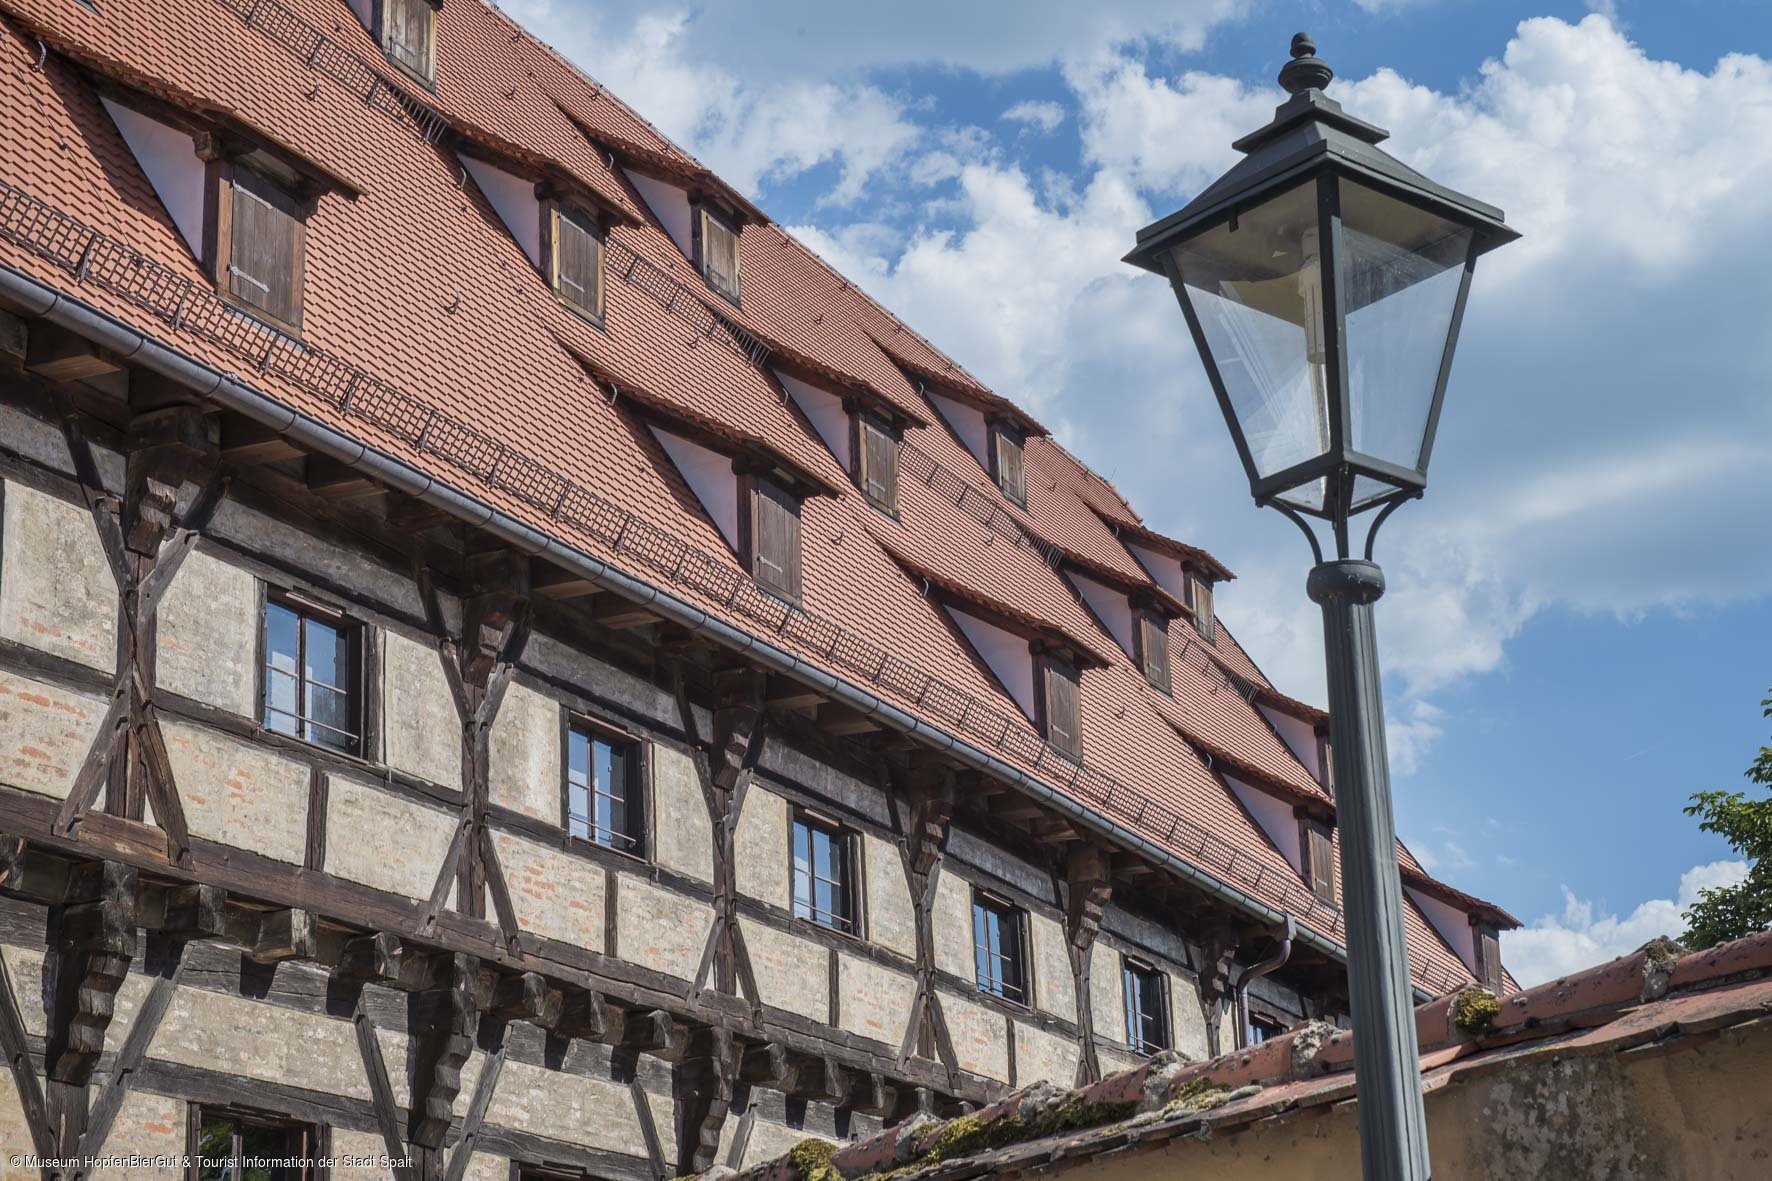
(1324, 282)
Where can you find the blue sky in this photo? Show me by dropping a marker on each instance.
(1577, 633)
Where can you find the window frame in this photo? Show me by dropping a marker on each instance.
(706, 211)
(553, 209)
(221, 182)
(752, 488)
(999, 433)
(1131, 968)
(849, 843)
(1267, 1025)
(1159, 678)
(639, 803)
(1012, 917)
(1049, 666)
(356, 695)
(316, 1137)
(1320, 878)
(428, 77)
(862, 422)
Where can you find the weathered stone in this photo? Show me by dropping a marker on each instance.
(151, 1127)
(234, 1035)
(789, 970)
(952, 920)
(761, 847)
(420, 726)
(594, 1112)
(683, 834)
(523, 767)
(660, 929)
(359, 818)
(56, 588)
(873, 1001)
(554, 894)
(239, 794)
(1044, 1056)
(45, 732)
(1053, 990)
(207, 633)
(981, 1036)
(892, 923)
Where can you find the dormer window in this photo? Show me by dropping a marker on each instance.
(1488, 941)
(876, 462)
(716, 251)
(1318, 848)
(1006, 463)
(408, 36)
(772, 538)
(1200, 599)
(1152, 642)
(260, 237)
(1059, 713)
(574, 256)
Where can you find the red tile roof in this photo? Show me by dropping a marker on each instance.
(428, 334)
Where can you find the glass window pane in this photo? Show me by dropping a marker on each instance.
(578, 757)
(1257, 292)
(282, 637)
(215, 1149)
(280, 702)
(1401, 270)
(327, 658)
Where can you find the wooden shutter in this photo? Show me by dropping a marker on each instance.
(1489, 957)
(1319, 859)
(775, 540)
(1204, 621)
(264, 248)
(719, 255)
(1061, 709)
(1011, 475)
(578, 263)
(879, 464)
(1154, 649)
(406, 34)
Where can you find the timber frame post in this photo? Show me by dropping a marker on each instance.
(705, 1083)
(922, 811)
(1086, 889)
(1218, 952)
(144, 551)
(448, 1016)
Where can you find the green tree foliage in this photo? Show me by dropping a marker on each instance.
(1728, 912)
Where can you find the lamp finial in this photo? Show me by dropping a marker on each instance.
(1306, 71)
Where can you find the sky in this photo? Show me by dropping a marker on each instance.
(1578, 630)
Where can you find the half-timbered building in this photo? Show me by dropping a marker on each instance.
(509, 663)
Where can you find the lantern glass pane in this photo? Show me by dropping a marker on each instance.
(1257, 291)
(1400, 272)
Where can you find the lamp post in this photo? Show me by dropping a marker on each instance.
(1324, 282)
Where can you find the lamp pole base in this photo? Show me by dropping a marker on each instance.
(1393, 1130)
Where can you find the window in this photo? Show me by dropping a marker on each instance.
(1200, 592)
(1147, 1009)
(774, 547)
(603, 802)
(1319, 859)
(575, 259)
(1153, 649)
(1059, 716)
(237, 1146)
(1262, 1029)
(1325, 763)
(260, 239)
(824, 877)
(997, 948)
(876, 458)
(311, 674)
(407, 36)
(1006, 463)
(716, 245)
(1488, 941)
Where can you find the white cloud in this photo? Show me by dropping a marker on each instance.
(1583, 935)
(1046, 116)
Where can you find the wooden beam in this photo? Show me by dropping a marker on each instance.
(374, 958)
(841, 720)
(582, 1014)
(616, 612)
(550, 581)
(818, 1078)
(870, 1093)
(198, 911)
(97, 945)
(56, 354)
(245, 443)
(1017, 808)
(792, 695)
(521, 996)
(337, 481)
(647, 1031)
(286, 935)
(766, 1065)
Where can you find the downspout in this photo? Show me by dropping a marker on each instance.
(1256, 971)
(40, 301)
